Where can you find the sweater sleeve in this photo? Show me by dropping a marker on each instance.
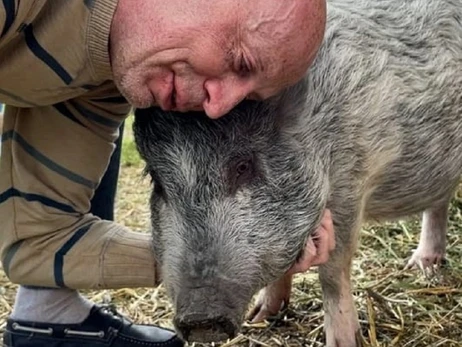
(53, 158)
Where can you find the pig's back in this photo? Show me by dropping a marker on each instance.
(387, 87)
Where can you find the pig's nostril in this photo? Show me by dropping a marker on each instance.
(198, 328)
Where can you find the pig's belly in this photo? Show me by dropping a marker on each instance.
(403, 195)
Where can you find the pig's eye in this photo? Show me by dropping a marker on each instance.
(241, 171)
(242, 167)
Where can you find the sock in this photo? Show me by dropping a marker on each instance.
(45, 305)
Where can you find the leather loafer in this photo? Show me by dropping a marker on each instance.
(103, 327)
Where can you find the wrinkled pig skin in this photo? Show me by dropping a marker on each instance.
(373, 132)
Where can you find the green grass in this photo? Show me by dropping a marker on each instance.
(130, 156)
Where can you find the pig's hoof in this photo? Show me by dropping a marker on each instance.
(267, 306)
(271, 300)
(343, 329)
(428, 262)
(342, 342)
(264, 310)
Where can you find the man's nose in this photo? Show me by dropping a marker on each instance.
(223, 96)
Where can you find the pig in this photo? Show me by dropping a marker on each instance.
(373, 131)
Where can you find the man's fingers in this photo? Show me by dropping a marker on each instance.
(317, 253)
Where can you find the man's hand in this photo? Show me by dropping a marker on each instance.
(318, 247)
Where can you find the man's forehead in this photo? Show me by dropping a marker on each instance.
(264, 16)
(271, 39)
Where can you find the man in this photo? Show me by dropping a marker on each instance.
(70, 72)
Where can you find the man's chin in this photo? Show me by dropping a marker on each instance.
(137, 95)
(142, 101)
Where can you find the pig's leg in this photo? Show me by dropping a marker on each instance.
(432, 244)
(341, 323)
(272, 299)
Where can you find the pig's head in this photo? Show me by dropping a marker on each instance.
(234, 201)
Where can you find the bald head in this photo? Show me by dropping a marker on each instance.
(202, 55)
(287, 36)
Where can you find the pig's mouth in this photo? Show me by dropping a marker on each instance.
(197, 328)
(209, 314)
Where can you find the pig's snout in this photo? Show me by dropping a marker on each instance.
(205, 328)
(206, 314)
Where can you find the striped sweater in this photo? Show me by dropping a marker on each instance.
(61, 120)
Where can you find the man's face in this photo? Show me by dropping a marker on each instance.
(210, 55)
